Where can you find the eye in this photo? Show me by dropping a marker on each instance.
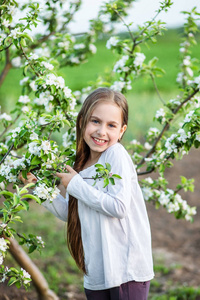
(111, 125)
(94, 121)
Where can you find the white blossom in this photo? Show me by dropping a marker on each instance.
(1, 261)
(197, 81)
(33, 56)
(34, 148)
(34, 136)
(15, 33)
(186, 61)
(147, 193)
(26, 276)
(3, 245)
(6, 117)
(118, 86)
(47, 65)
(183, 136)
(188, 117)
(16, 62)
(79, 46)
(46, 146)
(67, 92)
(33, 85)
(92, 48)
(46, 193)
(112, 42)
(24, 99)
(197, 136)
(160, 113)
(24, 80)
(120, 64)
(139, 59)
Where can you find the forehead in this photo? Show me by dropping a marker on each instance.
(107, 111)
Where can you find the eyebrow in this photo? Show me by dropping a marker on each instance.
(95, 117)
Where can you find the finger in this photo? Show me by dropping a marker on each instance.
(59, 175)
(69, 169)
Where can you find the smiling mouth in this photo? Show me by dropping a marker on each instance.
(99, 141)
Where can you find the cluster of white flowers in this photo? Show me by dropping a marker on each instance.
(170, 145)
(6, 117)
(3, 248)
(160, 114)
(120, 65)
(16, 62)
(147, 193)
(153, 132)
(113, 41)
(135, 142)
(69, 138)
(46, 193)
(24, 99)
(197, 81)
(175, 102)
(15, 33)
(47, 65)
(79, 46)
(139, 59)
(67, 92)
(119, 85)
(92, 48)
(26, 277)
(14, 133)
(169, 199)
(181, 77)
(44, 99)
(188, 117)
(34, 148)
(198, 136)
(3, 147)
(52, 79)
(40, 241)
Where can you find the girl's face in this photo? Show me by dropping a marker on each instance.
(104, 128)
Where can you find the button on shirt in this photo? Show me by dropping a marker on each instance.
(114, 223)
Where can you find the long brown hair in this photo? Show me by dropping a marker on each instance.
(74, 239)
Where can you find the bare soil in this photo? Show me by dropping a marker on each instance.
(175, 242)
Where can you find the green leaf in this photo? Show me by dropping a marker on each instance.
(116, 176)
(112, 180)
(32, 197)
(6, 193)
(106, 182)
(32, 248)
(108, 167)
(35, 161)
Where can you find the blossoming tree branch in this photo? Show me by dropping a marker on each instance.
(47, 105)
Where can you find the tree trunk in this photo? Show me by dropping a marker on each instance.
(41, 285)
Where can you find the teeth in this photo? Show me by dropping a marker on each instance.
(99, 141)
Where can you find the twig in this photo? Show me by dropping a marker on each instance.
(166, 127)
(156, 88)
(10, 149)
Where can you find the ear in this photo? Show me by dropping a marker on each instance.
(123, 129)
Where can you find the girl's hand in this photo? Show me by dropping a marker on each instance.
(30, 178)
(66, 177)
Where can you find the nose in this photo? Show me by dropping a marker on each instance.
(101, 131)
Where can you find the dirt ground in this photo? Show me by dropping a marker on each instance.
(175, 242)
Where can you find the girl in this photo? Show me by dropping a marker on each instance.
(108, 231)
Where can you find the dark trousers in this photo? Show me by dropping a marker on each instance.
(131, 290)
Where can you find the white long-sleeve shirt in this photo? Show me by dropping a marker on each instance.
(114, 223)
